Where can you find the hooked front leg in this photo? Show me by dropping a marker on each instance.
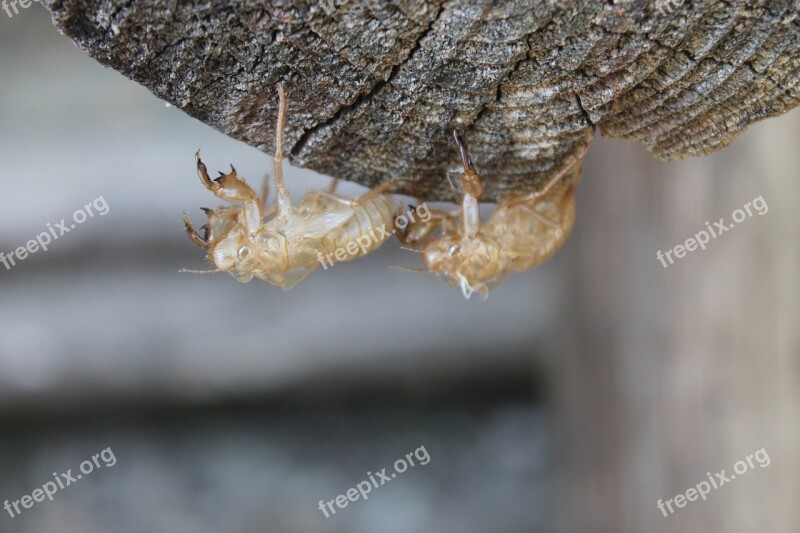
(192, 233)
(228, 186)
(231, 188)
(220, 222)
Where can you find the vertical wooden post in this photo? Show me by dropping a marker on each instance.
(666, 374)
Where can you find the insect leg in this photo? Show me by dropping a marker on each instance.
(403, 233)
(539, 217)
(338, 198)
(284, 200)
(470, 180)
(262, 197)
(333, 185)
(361, 200)
(202, 172)
(374, 193)
(419, 232)
(228, 186)
(270, 211)
(535, 195)
(473, 188)
(192, 233)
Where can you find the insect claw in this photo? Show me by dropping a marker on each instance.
(465, 157)
(197, 156)
(206, 210)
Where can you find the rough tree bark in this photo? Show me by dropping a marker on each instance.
(376, 86)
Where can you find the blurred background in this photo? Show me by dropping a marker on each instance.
(572, 399)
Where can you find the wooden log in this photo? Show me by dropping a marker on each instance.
(376, 86)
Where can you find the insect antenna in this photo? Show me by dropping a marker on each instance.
(412, 250)
(449, 179)
(188, 271)
(413, 270)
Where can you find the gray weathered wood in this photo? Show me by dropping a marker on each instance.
(666, 374)
(376, 86)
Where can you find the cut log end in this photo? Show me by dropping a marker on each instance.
(376, 87)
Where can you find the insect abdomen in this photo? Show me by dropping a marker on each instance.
(364, 227)
(525, 239)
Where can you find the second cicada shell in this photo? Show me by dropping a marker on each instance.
(523, 231)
